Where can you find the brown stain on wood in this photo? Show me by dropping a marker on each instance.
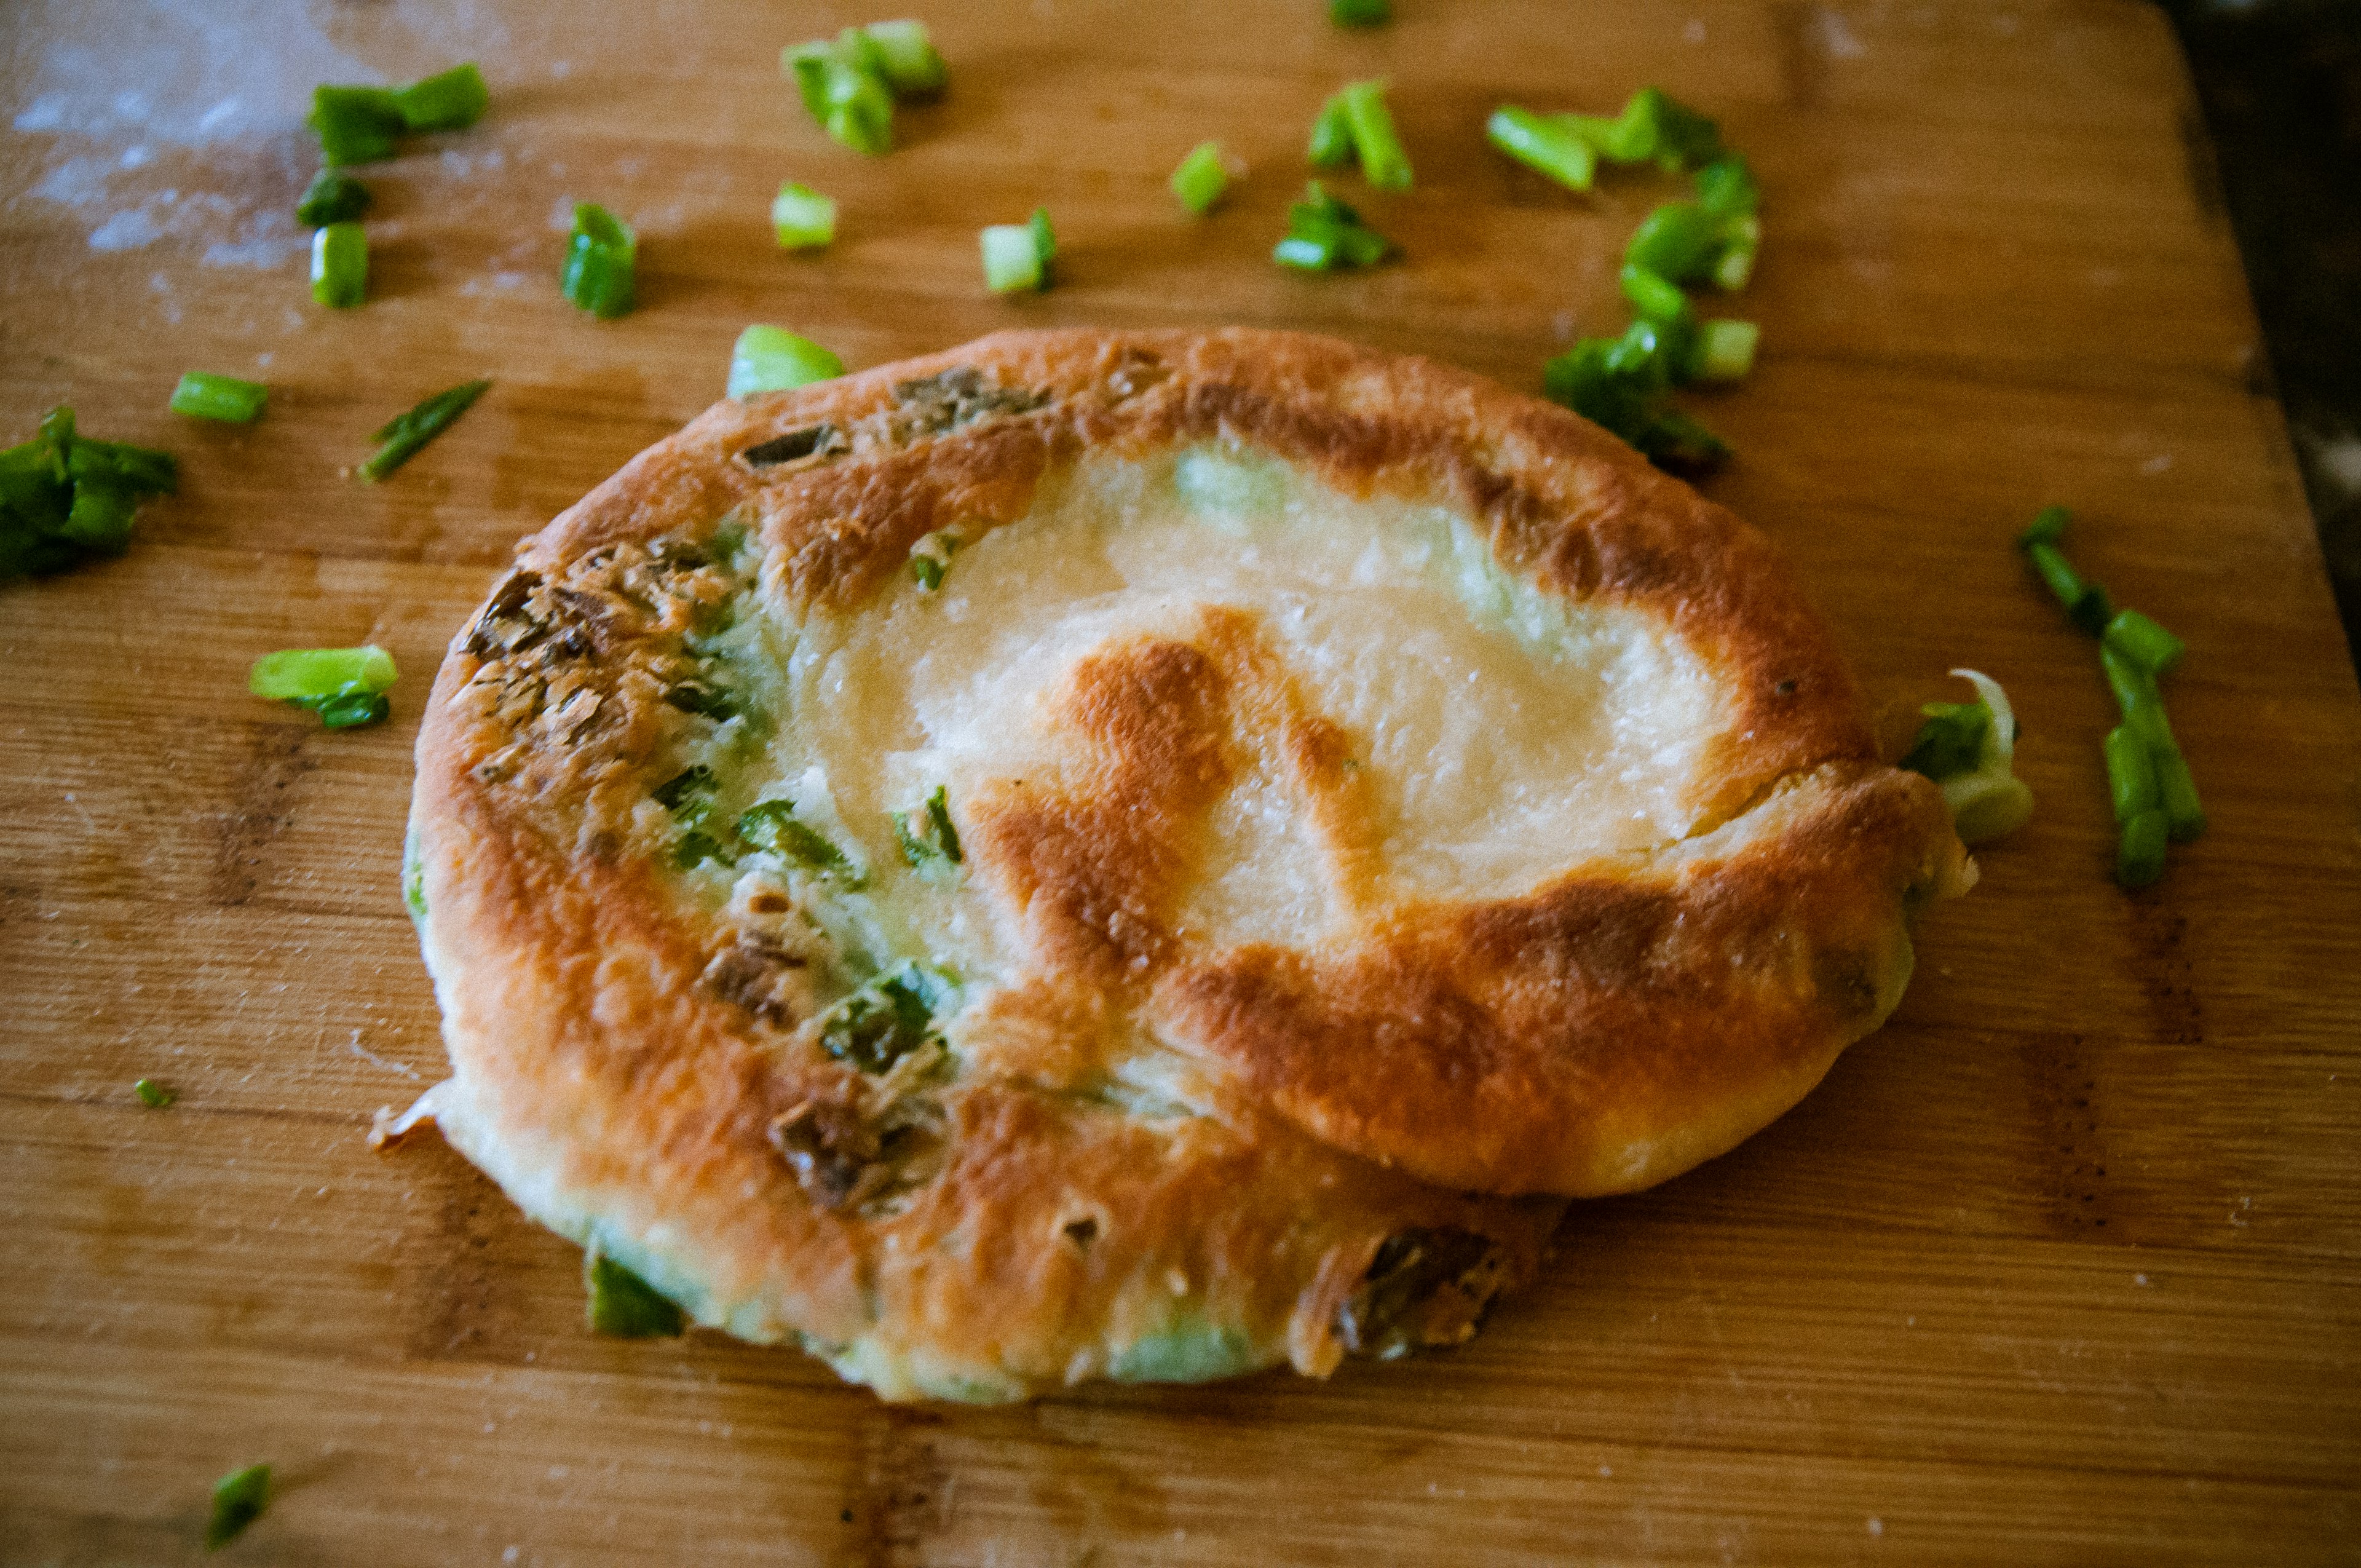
(262, 803)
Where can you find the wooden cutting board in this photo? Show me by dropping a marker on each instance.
(2059, 1268)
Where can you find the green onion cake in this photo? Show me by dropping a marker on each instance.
(1139, 855)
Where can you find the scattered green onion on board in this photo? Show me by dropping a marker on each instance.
(2131, 774)
(906, 56)
(1016, 257)
(1360, 12)
(1725, 350)
(346, 687)
(1653, 128)
(333, 197)
(1332, 136)
(601, 262)
(65, 498)
(802, 218)
(339, 265)
(356, 124)
(1543, 145)
(1726, 187)
(2139, 852)
(624, 1306)
(1325, 234)
(223, 398)
(1202, 178)
(239, 1498)
(849, 84)
(401, 437)
(448, 101)
(773, 359)
(1370, 124)
(1969, 748)
(2144, 642)
(152, 1094)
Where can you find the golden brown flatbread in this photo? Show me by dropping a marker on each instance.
(1139, 855)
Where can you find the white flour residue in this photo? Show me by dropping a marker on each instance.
(1837, 40)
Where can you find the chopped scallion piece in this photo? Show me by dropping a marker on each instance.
(2139, 854)
(2048, 527)
(1360, 12)
(1017, 256)
(2144, 716)
(356, 124)
(223, 398)
(339, 265)
(1323, 234)
(930, 557)
(1657, 299)
(402, 435)
(770, 826)
(1725, 350)
(601, 262)
(1735, 266)
(333, 197)
(2183, 813)
(886, 1020)
(1950, 740)
(1655, 126)
(906, 57)
(448, 101)
(152, 1094)
(1332, 137)
(2131, 774)
(802, 218)
(1383, 162)
(624, 1306)
(1677, 242)
(926, 836)
(1970, 749)
(343, 685)
(239, 1498)
(1673, 440)
(1726, 187)
(773, 359)
(64, 498)
(2085, 603)
(842, 86)
(2144, 642)
(1543, 145)
(1202, 178)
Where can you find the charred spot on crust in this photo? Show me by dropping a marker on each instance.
(846, 1158)
(1425, 1287)
(958, 398)
(1081, 1231)
(503, 626)
(813, 441)
(526, 613)
(705, 702)
(754, 974)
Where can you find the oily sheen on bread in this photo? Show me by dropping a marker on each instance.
(1141, 855)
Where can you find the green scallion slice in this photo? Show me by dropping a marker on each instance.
(448, 101)
(1674, 440)
(2144, 716)
(2184, 815)
(770, 826)
(1950, 740)
(1656, 298)
(2048, 527)
(926, 836)
(401, 436)
(1323, 234)
(339, 265)
(2139, 855)
(343, 685)
(2131, 774)
(1734, 267)
(1677, 242)
(601, 262)
(1543, 145)
(906, 57)
(1653, 126)
(1202, 178)
(1360, 12)
(624, 1306)
(1726, 187)
(841, 85)
(152, 1094)
(1017, 256)
(930, 557)
(239, 1498)
(333, 197)
(2086, 603)
(223, 398)
(1724, 351)
(356, 124)
(802, 218)
(773, 359)
(1332, 136)
(2144, 642)
(1371, 125)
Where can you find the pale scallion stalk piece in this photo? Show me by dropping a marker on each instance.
(1543, 145)
(1016, 257)
(773, 359)
(1725, 350)
(1969, 749)
(842, 84)
(1202, 178)
(239, 1498)
(802, 218)
(344, 686)
(905, 55)
(401, 437)
(201, 395)
(152, 1094)
(1383, 161)
(624, 1306)
(601, 262)
(339, 265)
(930, 557)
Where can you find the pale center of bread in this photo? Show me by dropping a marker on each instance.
(1490, 734)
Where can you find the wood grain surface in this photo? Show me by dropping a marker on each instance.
(2060, 1267)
